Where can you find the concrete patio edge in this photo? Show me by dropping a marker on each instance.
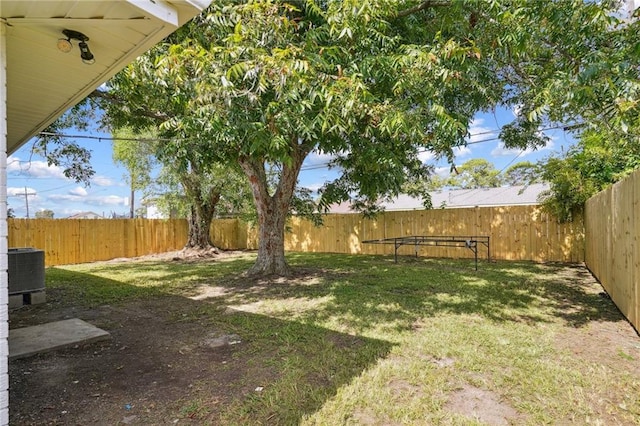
(28, 341)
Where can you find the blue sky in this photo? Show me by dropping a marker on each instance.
(47, 188)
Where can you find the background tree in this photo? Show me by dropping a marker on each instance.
(265, 83)
(601, 95)
(136, 157)
(475, 173)
(44, 214)
(522, 173)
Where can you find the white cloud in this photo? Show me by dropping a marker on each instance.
(65, 198)
(108, 200)
(318, 157)
(426, 156)
(500, 150)
(443, 171)
(13, 191)
(516, 110)
(79, 191)
(33, 168)
(102, 181)
(461, 151)
(314, 187)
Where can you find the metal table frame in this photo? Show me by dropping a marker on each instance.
(471, 242)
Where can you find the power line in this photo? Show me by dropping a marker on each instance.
(509, 163)
(420, 151)
(108, 138)
(111, 138)
(307, 168)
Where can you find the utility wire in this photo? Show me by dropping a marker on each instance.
(420, 151)
(111, 138)
(307, 168)
(510, 162)
(108, 138)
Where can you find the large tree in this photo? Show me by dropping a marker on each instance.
(73, 158)
(264, 83)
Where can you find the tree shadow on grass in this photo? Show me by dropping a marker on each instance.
(159, 367)
(365, 292)
(572, 293)
(157, 359)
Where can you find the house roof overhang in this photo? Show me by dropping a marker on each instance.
(43, 82)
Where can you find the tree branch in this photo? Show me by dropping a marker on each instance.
(109, 97)
(422, 6)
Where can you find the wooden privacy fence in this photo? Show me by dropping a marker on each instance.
(66, 241)
(612, 249)
(516, 233)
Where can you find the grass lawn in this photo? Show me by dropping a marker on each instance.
(361, 340)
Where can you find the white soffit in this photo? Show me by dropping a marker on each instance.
(42, 82)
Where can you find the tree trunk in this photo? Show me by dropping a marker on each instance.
(271, 259)
(203, 207)
(199, 237)
(272, 213)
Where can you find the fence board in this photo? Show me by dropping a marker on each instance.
(67, 241)
(517, 233)
(612, 229)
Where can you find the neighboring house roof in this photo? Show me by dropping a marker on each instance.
(85, 215)
(460, 198)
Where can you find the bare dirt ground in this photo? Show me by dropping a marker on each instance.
(156, 367)
(150, 368)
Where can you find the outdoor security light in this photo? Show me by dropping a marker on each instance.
(64, 45)
(85, 53)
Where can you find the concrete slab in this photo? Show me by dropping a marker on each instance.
(27, 341)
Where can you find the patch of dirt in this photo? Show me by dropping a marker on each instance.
(152, 365)
(402, 389)
(186, 255)
(169, 361)
(367, 417)
(609, 344)
(481, 405)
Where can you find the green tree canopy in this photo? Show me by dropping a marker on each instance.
(475, 173)
(262, 84)
(522, 173)
(44, 214)
(597, 161)
(138, 159)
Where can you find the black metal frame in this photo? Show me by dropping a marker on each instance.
(470, 242)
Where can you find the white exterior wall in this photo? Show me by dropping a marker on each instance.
(154, 213)
(4, 260)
